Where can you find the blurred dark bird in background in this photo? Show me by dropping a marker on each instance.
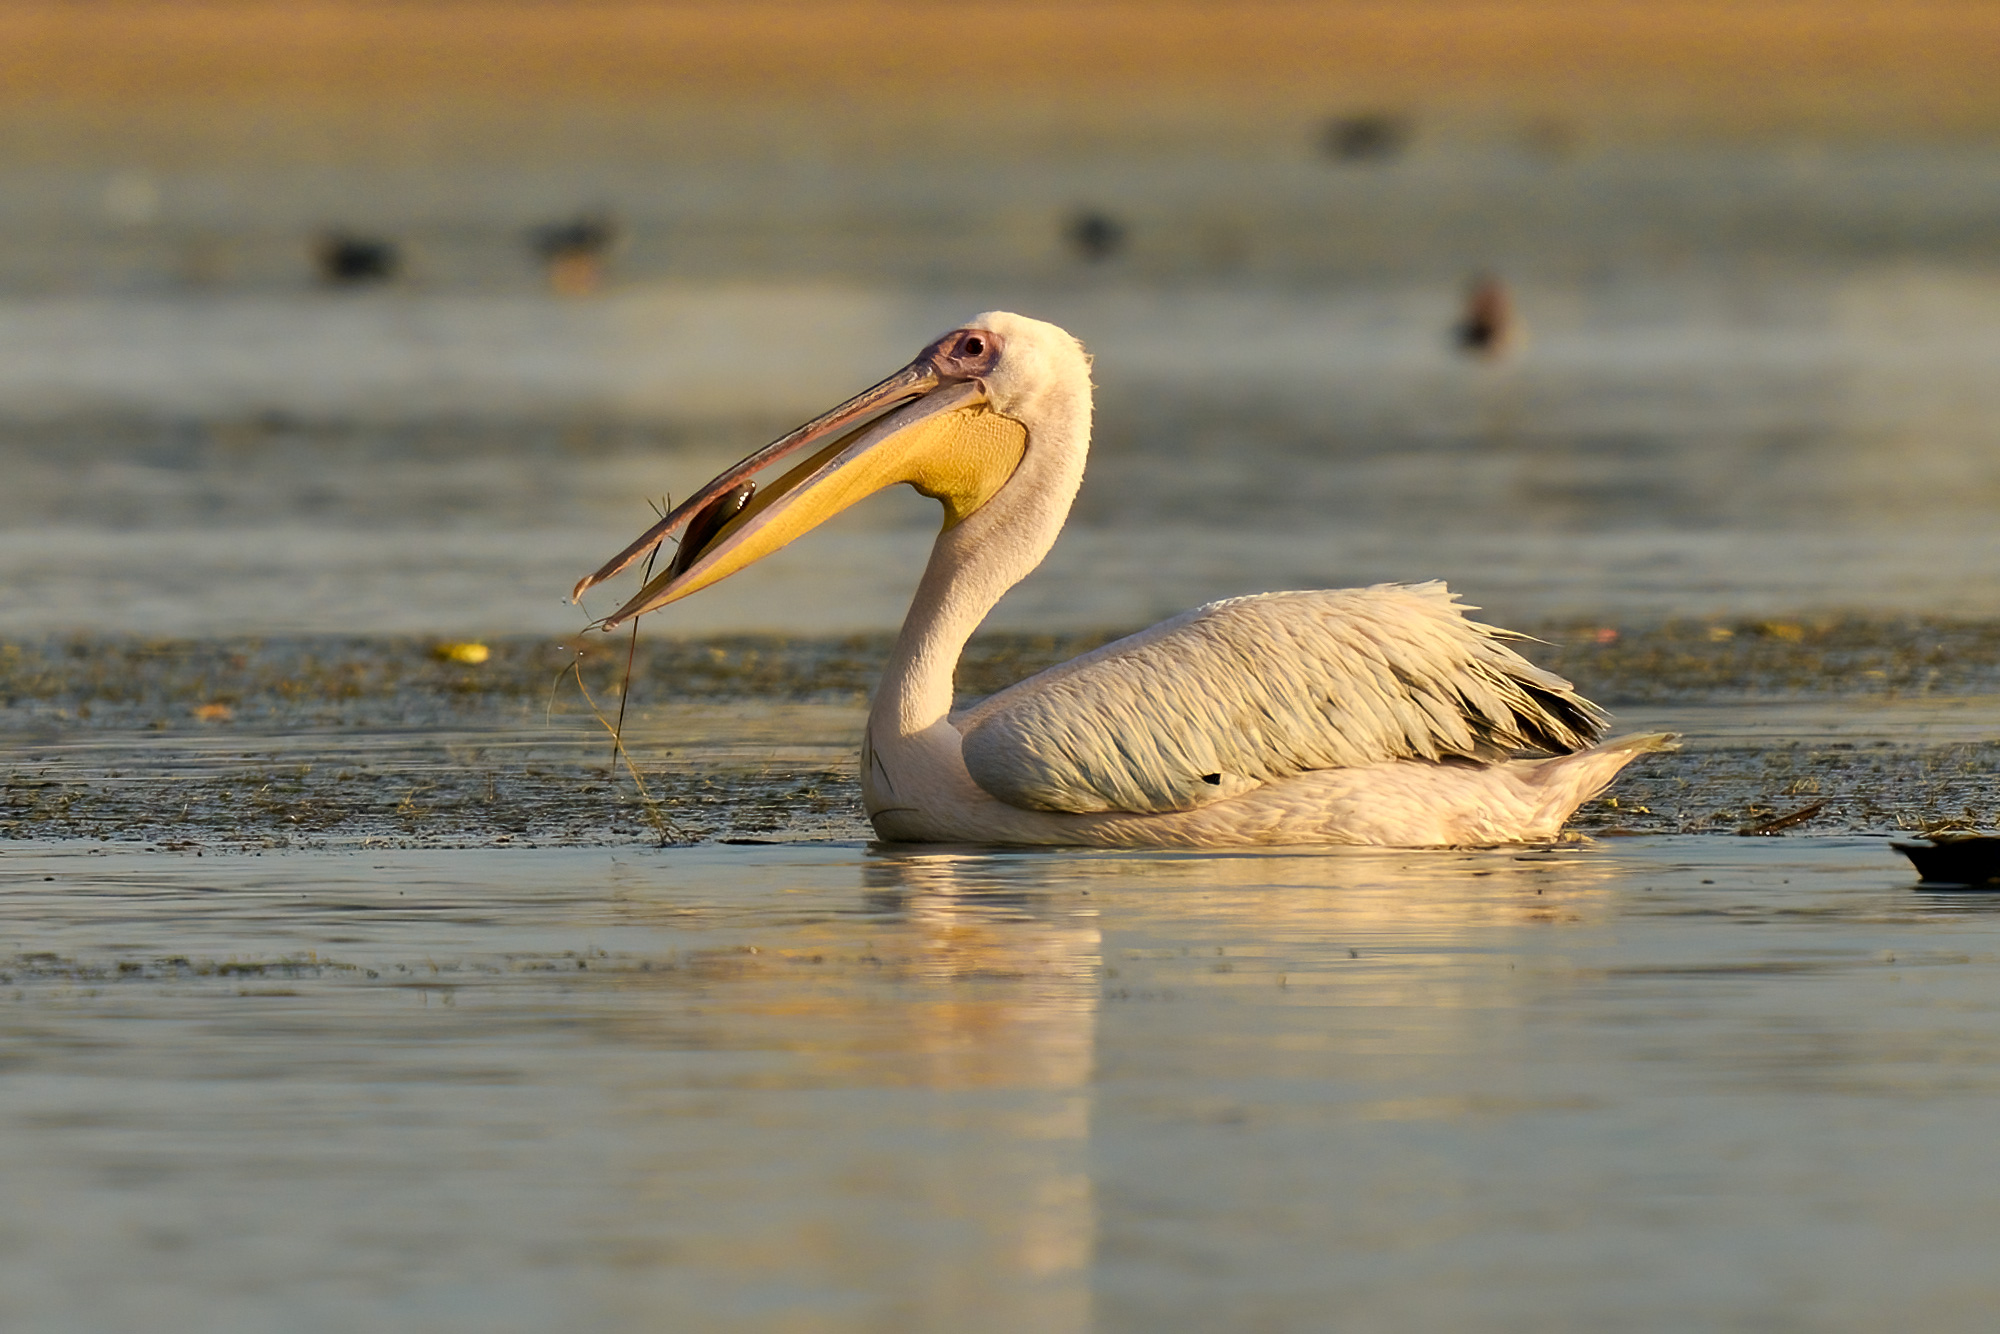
(1489, 327)
(346, 260)
(1095, 236)
(574, 251)
(1373, 136)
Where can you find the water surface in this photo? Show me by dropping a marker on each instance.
(1755, 380)
(305, 1024)
(1654, 1084)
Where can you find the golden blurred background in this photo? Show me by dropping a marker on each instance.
(219, 78)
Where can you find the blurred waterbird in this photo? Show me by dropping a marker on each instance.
(1371, 136)
(348, 260)
(1096, 236)
(574, 251)
(1374, 715)
(1488, 327)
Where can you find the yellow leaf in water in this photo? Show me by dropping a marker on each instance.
(469, 653)
(214, 713)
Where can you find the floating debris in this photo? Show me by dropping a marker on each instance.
(468, 652)
(213, 713)
(1777, 824)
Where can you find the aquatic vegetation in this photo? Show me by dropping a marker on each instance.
(192, 744)
(1702, 660)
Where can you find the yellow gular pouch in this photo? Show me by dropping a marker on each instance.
(966, 456)
(960, 457)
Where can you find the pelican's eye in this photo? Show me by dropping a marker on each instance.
(977, 347)
(966, 354)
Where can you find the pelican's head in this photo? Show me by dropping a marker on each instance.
(954, 424)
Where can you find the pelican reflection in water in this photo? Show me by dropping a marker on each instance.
(1364, 716)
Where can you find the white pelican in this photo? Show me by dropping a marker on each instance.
(1370, 715)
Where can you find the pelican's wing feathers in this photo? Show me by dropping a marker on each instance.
(1241, 692)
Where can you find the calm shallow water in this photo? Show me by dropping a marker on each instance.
(1756, 381)
(1651, 1084)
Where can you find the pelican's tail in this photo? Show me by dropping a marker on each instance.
(1638, 743)
(1567, 781)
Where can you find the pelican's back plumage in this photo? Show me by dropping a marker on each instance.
(1252, 690)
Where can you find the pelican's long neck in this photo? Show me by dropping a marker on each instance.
(974, 564)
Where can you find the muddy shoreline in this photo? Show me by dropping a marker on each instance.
(323, 741)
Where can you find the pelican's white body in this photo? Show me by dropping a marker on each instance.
(914, 774)
(918, 791)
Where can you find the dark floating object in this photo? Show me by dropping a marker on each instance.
(346, 260)
(1489, 327)
(1096, 236)
(574, 251)
(591, 234)
(1968, 860)
(707, 522)
(1373, 136)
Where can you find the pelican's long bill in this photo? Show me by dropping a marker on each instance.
(929, 424)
